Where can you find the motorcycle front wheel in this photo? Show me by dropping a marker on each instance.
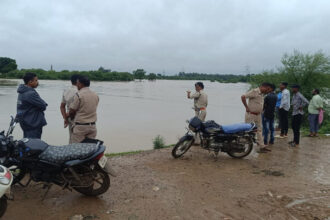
(101, 183)
(247, 148)
(182, 146)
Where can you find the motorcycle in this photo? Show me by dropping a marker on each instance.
(82, 167)
(236, 140)
(6, 180)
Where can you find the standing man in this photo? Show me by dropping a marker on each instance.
(200, 100)
(298, 103)
(67, 99)
(83, 111)
(254, 109)
(30, 107)
(314, 108)
(284, 110)
(268, 115)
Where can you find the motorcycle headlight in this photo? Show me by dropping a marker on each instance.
(6, 179)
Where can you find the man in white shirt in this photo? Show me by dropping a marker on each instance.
(284, 110)
(67, 100)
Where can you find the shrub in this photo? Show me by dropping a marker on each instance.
(159, 142)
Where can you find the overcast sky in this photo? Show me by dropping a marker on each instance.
(162, 36)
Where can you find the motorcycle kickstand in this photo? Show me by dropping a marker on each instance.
(25, 185)
(48, 186)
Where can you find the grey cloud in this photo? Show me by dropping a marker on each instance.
(213, 36)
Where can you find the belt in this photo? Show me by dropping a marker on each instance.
(254, 113)
(92, 123)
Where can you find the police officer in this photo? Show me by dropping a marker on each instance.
(83, 112)
(254, 109)
(67, 99)
(200, 100)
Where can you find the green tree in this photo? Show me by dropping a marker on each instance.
(152, 76)
(7, 64)
(310, 71)
(139, 74)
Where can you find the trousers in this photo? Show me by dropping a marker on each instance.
(257, 120)
(284, 121)
(80, 132)
(296, 123)
(268, 128)
(313, 123)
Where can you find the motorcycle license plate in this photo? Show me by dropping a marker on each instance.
(103, 161)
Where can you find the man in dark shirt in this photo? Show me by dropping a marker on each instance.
(30, 107)
(269, 115)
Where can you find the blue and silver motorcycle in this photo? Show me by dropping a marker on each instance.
(236, 140)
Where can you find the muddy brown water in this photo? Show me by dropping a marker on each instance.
(132, 114)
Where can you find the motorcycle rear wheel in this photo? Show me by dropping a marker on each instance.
(3, 205)
(248, 148)
(182, 147)
(101, 179)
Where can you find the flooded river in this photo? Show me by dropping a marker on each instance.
(132, 114)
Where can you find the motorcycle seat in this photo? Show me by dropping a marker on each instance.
(61, 154)
(211, 127)
(235, 128)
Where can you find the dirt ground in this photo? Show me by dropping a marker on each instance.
(288, 183)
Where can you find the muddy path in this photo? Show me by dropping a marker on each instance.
(288, 183)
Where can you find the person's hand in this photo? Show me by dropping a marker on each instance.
(188, 91)
(66, 123)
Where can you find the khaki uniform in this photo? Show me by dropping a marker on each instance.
(85, 104)
(200, 104)
(256, 105)
(67, 98)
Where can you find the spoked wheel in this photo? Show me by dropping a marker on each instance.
(246, 146)
(182, 146)
(101, 183)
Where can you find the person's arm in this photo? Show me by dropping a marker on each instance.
(193, 96)
(250, 94)
(304, 101)
(319, 103)
(74, 106)
(285, 100)
(243, 98)
(35, 100)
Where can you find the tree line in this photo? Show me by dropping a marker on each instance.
(310, 71)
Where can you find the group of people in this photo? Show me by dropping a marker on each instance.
(261, 110)
(78, 108)
(263, 106)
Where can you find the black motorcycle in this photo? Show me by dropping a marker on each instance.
(236, 140)
(81, 166)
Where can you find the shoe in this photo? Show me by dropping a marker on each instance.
(285, 136)
(279, 136)
(262, 150)
(267, 149)
(293, 144)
